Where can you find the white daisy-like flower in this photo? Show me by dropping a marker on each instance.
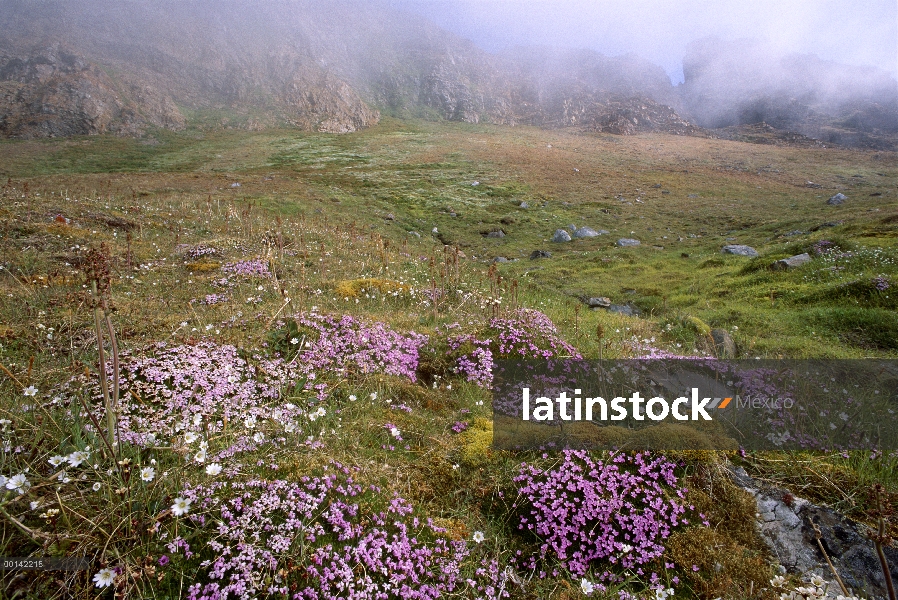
(320, 412)
(104, 578)
(478, 537)
(818, 581)
(18, 483)
(30, 391)
(259, 437)
(374, 395)
(290, 427)
(97, 486)
(294, 341)
(586, 586)
(77, 457)
(181, 507)
(197, 419)
(147, 473)
(213, 469)
(778, 581)
(626, 548)
(190, 437)
(200, 456)
(394, 431)
(352, 397)
(56, 460)
(249, 422)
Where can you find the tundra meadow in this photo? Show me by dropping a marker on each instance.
(258, 364)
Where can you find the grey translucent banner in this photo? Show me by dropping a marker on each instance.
(700, 404)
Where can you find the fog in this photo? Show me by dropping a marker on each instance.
(844, 31)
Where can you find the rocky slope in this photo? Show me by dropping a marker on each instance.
(99, 66)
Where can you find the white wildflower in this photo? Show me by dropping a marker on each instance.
(181, 507)
(213, 469)
(586, 586)
(104, 578)
(147, 473)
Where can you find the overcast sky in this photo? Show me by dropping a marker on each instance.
(861, 32)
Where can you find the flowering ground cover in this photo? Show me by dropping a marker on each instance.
(302, 407)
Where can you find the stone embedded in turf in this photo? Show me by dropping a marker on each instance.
(588, 232)
(740, 250)
(624, 242)
(724, 346)
(791, 262)
(837, 199)
(540, 254)
(600, 302)
(561, 236)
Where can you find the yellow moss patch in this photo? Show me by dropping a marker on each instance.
(455, 529)
(203, 266)
(698, 325)
(352, 288)
(726, 569)
(477, 442)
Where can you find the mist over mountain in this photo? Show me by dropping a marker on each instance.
(743, 82)
(99, 66)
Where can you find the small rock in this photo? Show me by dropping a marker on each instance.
(793, 233)
(825, 225)
(572, 227)
(811, 184)
(837, 199)
(235, 185)
(414, 233)
(724, 346)
(623, 309)
(561, 236)
(524, 205)
(496, 234)
(740, 250)
(475, 184)
(624, 242)
(588, 232)
(657, 186)
(600, 302)
(791, 262)
(540, 254)
(435, 231)
(665, 191)
(500, 259)
(390, 217)
(693, 196)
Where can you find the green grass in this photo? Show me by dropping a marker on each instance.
(343, 208)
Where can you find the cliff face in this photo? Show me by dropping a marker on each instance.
(52, 93)
(100, 66)
(107, 66)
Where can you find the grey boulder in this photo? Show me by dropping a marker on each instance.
(623, 242)
(600, 302)
(588, 232)
(837, 199)
(791, 262)
(740, 250)
(561, 236)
